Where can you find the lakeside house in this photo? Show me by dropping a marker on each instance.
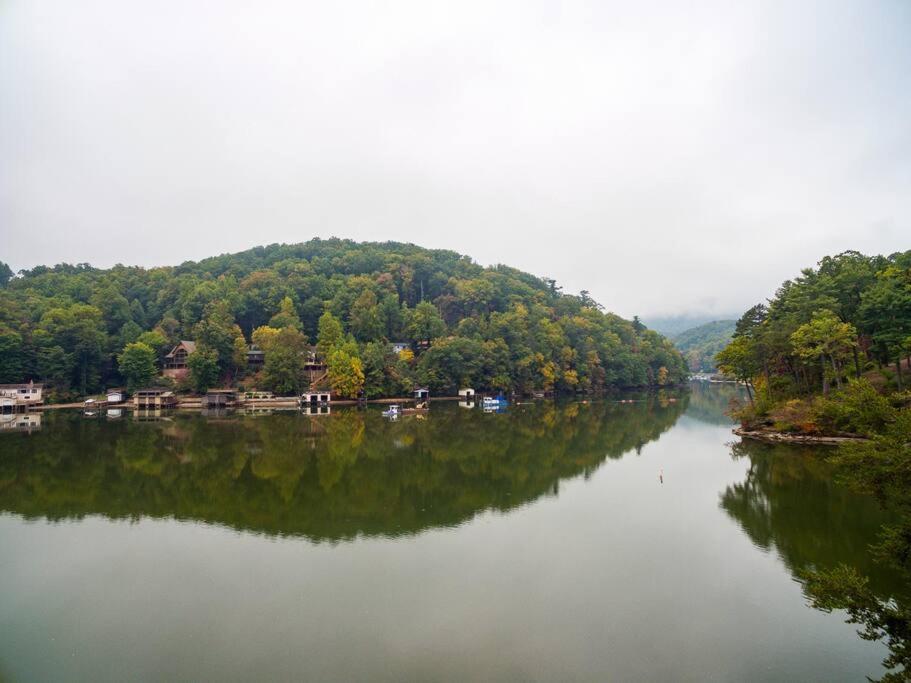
(21, 395)
(175, 362)
(398, 347)
(256, 358)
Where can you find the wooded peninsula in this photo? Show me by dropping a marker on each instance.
(381, 317)
(829, 356)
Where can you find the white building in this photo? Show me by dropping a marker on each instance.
(22, 394)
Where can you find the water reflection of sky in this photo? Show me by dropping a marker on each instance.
(535, 545)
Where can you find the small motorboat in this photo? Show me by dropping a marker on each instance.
(391, 411)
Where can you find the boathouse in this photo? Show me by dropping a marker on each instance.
(219, 398)
(466, 394)
(154, 398)
(175, 362)
(115, 396)
(422, 394)
(314, 398)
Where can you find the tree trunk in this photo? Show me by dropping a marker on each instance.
(825, 379)
(749, 393)
(898, 371)
(837, 372)
(856, 363)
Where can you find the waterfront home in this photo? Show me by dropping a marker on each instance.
(398, 347)
(175, 362)
(154, 398)
(22, 395)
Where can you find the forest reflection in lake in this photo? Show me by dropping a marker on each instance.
(552, 542)
(326, 477)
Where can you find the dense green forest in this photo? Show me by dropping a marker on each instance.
(699, 345)
(829, 354)
(80, 329)
(849, 317)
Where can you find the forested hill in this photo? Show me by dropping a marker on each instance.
(81, 329)
(699, 345)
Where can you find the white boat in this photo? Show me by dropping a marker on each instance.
(391, 411)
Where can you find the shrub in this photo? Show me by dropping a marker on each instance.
(857, 408)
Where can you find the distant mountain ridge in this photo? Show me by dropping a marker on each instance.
(672, 325)
(700, 344)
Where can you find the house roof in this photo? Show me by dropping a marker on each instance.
(189, 346)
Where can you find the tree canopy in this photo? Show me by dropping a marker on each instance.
(850, 314)
(496, 327)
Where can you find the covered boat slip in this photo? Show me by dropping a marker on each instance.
(154, 398)
(219, 398)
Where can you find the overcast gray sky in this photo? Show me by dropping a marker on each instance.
(669, 157)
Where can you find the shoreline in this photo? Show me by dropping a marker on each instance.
(768, 436)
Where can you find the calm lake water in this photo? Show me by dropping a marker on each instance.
(542, 543)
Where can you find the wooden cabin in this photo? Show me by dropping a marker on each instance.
(21, 395)
(154, 398)
(175, 362)
(219, 398)
(256, 358)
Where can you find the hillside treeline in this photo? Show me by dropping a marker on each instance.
(830, 354)
(848, 316)
(80, 329)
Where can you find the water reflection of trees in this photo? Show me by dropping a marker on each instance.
(327, 478)
(711, 402)
(790, 502)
